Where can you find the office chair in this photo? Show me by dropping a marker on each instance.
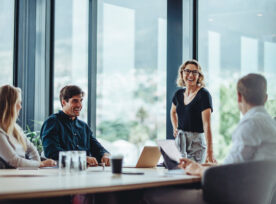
(251, 182)
(4, 164)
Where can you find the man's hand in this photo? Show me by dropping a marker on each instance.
(191, 167)
(105, 159)
(91, 161)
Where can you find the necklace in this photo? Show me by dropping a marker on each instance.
(191, 95)
(189, 98)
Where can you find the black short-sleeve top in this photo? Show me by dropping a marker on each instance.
(189, 116)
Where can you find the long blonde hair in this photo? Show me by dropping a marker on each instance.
(9, 96)
(180, 82)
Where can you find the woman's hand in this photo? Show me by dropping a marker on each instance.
(174, 120)
(210, 158)
(206, 119)
(175, 131)
(48, 162)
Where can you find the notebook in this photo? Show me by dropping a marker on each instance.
(170, 153)
(148, 158)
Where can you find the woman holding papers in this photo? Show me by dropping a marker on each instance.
(191, 114)
(14, 146)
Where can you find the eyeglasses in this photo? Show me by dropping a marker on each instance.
(194, 72)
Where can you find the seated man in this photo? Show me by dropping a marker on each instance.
(63, 131)
(253, 139)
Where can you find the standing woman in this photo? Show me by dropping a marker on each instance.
(15, 149)
(191, 114)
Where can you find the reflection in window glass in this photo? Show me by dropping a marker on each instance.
(40, 108)
(71, 48)
(131, 75)
(234, 40)
(187, 38)
(6, 41)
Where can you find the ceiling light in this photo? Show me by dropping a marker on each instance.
(259, 14)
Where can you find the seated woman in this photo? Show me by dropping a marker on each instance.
(15, 149)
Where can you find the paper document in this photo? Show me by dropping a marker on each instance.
(169, 147)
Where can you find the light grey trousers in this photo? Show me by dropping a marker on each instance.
(192, 145)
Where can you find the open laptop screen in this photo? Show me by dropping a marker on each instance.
(148, 158)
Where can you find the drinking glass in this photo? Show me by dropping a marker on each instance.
(64, 162)
(82, 160)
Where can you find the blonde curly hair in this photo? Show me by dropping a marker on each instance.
(180, 82)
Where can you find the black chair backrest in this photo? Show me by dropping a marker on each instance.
(251, 182)
(4, 164)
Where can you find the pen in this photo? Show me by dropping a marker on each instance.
(133, 173)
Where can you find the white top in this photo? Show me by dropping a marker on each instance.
(254, 138)
(13, 152)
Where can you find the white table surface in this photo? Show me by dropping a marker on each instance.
(16, 183)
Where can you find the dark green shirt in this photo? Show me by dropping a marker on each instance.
(60, 133)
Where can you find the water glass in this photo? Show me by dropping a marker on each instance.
(78, 161)
(64, 161)
(74, 165)
(82, 160)
(72, 162)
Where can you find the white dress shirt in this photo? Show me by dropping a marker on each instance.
(254, 138)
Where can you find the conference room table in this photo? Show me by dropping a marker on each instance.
(39, 183)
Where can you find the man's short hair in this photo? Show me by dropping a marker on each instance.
(253, 88)
(68, 92)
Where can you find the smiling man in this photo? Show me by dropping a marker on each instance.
(63, 131)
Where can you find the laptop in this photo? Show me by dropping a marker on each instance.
(148, 158)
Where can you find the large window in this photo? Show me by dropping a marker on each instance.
(6, 41)
(235, 39)
(41, 76)
(71, 48)
(131, 74)
(187, 28)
